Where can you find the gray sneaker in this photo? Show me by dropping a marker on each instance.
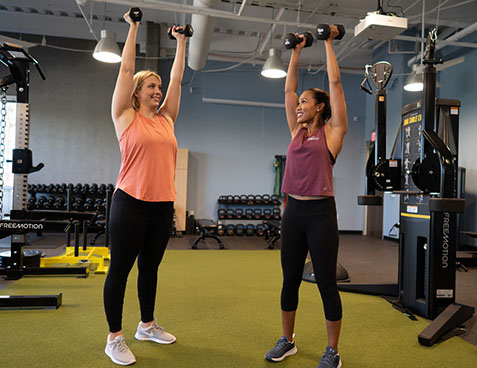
(281, 350)
(330, 359)
(154, 333)
(119, 352)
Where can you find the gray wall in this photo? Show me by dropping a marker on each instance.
(231, 147)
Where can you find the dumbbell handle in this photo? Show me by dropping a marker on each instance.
(186, 30)
(135, 14)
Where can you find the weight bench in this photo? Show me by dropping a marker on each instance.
(272, 232)
(207, 229)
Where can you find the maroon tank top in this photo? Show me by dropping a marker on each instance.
(309, 165)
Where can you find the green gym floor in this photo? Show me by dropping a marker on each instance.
(223, 307)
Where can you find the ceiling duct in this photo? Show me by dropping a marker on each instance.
(199, 44)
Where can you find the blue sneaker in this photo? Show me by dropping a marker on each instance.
(281, 350)
(330, 359)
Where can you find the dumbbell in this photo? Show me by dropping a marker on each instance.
(85, 189)
(230, 213)
(102, 189)
(60, 203)
(41, 202)
(77, 204)
(135, 14)
(230, 230)
(31, 203)
(238, 213)
(323, 31)
(291, 40)
(93, 189)
(220, 230)
(186, 30)
(250, 229)
(249, 213)
(77, 188)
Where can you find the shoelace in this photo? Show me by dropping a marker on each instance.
(121, 344)
(328, 358)
(155, 326)
(282, 342)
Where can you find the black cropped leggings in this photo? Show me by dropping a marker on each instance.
(310, 225)
(139, 230)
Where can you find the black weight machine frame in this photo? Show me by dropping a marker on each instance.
(17, 60)
(435, 174)
(381, 174)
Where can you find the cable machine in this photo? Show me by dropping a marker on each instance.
(18, 62)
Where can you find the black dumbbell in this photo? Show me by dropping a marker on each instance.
(249, 213)
(266, 198)
(220, 230)
(323, 31)
(230, 230)
(238, 213)
(239, 229)
(31, 202)
(186, 30)
(77, 188)
(60, 203)
(41, 202)
(135, 14)
(93, 189)
(260, 230)
(85, 189)
(250, 229)
(102, 189)
(291, 40)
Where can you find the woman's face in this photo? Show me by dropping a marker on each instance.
(150, 93)
(307, 107)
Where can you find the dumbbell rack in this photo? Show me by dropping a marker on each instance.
(74, 209)
(233, 209)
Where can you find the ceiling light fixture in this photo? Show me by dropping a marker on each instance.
(274, 67)
(107, 50)
(414, 82)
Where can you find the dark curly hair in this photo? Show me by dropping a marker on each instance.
(321, 96)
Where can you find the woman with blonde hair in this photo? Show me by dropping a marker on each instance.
(142, 208)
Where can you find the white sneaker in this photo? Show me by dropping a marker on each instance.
(154, 333)
(119, 352)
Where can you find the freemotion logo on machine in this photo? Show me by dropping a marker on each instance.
(8, 225)
(445, 240)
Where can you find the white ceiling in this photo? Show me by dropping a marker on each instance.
(237, 37)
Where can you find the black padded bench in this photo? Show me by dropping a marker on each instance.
(272, 232)
(207, 229)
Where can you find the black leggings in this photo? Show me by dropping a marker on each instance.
(310, 225)
(138, 229)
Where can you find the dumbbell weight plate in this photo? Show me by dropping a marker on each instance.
(135, 14)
